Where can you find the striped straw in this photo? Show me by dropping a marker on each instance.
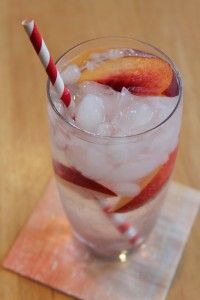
(47, 61)
(120, 223)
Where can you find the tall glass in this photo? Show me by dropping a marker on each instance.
(78, 174)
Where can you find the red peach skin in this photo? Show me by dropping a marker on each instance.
(154, 186)
(142, 75)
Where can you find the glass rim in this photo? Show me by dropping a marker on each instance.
(117, 138)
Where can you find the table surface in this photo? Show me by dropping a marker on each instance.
(172, 25)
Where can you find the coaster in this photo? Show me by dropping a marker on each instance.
(46, 251)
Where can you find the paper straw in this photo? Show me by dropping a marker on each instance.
(47, 61)
(120, 223)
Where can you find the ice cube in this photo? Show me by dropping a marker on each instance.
(97, 162)
(144, 114)
(134, 115)
(95, 88)
(91, 112)
(71, 74)
(107, 94)
(129, 114)
(161, 107)
(94, 163)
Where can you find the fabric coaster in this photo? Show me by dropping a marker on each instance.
(46, 251)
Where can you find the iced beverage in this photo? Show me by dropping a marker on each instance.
(118, 144)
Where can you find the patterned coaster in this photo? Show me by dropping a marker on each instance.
(45, 251)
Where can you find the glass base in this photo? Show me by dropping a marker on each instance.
(95, 230)
(115, 254)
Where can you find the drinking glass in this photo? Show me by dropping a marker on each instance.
(90, 168)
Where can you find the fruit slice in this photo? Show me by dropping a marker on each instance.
(151, 184)
(76, 192)
(143, 75)
(122, 201)
(154, 186)
(173, 89)
(74, 176)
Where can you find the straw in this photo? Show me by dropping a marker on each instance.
(118, 221)
(121, 224)
(47, 61)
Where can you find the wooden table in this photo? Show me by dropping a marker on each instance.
(172, 25)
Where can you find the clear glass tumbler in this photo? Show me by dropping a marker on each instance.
(85, 172)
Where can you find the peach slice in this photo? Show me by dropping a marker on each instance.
(74, 176)
(154, 186)
(142, 75)
(150, 185)
(122, 201)
(173, 89)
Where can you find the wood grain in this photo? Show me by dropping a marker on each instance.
(172, 25)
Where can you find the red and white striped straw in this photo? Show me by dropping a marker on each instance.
(47, 61)
(120, 223)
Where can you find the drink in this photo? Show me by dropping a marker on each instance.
(119, 144)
